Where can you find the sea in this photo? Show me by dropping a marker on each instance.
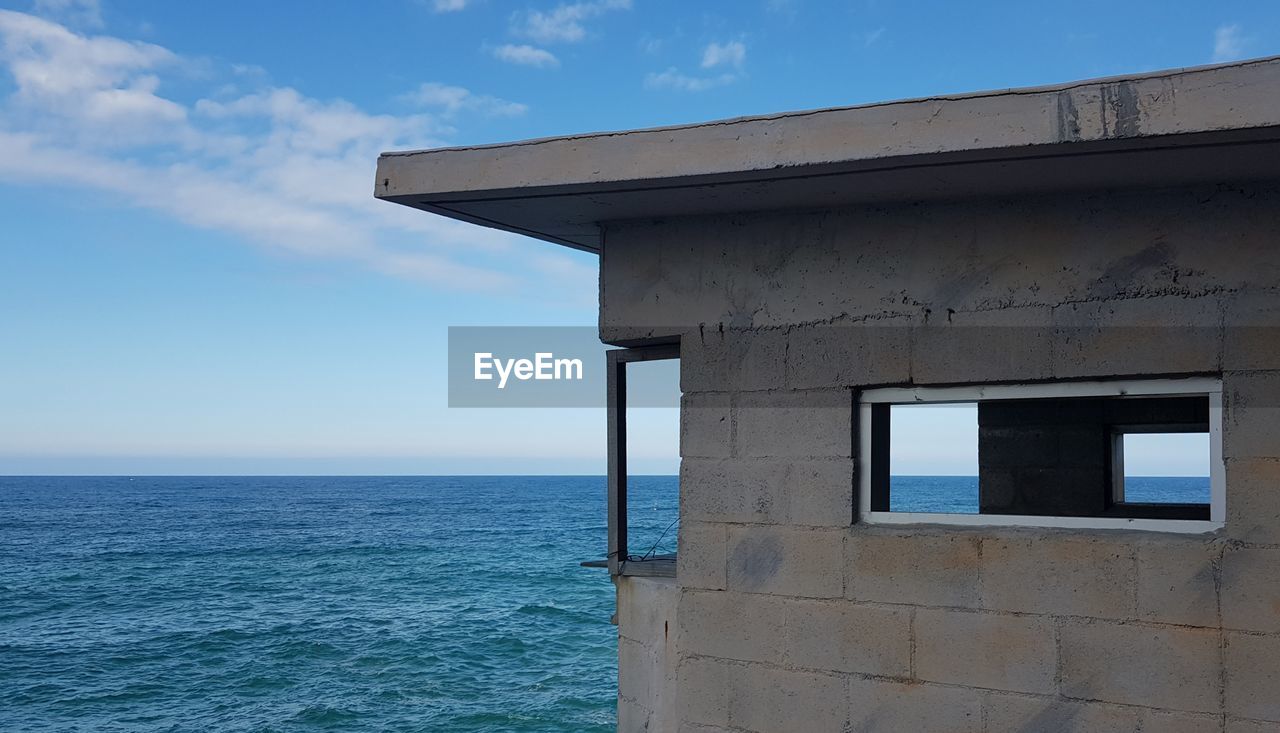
(328, 603)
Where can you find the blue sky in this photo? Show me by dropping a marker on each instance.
(195, 278)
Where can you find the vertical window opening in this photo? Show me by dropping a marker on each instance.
(640, 542)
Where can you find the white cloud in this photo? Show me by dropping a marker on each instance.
(563, 24)
(451, 100)
(92, 89)
(273, 166)
(80, 12)
(525, 55)
(733, 53)
(673, 79)
(449, 6)
(1228, 43)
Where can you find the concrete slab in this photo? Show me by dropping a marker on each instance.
(1167, 128)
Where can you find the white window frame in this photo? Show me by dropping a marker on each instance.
(1208, 386)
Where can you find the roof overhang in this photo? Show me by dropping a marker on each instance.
(1206, 124)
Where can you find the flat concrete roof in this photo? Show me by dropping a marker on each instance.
(1176, 127)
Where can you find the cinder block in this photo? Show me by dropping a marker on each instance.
(702, 692)
(1251, 726)
(637, 668)
(706, 427)
(994, 651)
(633, 717)
(731, 626)
(771, 700)
(1005, 344)
(646, 607)
(1251, 337)
(1253, 500)
(733, 360)
(768, 490)
(733, 490)
(1176, 583)
(1175, 668)
(1251, 589)
(846, 637)
(786, 561)
(701, 560)
(820, 493)
(1059, 574)
(1251, 415)
(1008, 713)
(926, 568)
(1253, 676)
(849, 355)
(1164, 721)
(813, 424)
(1164, 335)
(699, 728)
(878, 706)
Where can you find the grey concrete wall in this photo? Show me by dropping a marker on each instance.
(646, 653)
(792, 616)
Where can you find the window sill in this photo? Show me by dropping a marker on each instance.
(662, 566)
(1182, 526)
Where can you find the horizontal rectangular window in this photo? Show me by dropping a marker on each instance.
(1138, 454)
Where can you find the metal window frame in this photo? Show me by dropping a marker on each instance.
(616, 396)
(873, 487)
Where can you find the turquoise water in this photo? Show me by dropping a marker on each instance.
(322, 604)
(309, 604)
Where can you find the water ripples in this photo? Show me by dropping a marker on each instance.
(306, 604)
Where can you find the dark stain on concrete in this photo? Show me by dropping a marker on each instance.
(1068, 118)
(1120, 110)
(1124, 271)
(757, 559)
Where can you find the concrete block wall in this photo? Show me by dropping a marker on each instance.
(791, 615)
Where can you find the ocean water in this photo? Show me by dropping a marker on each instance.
(310, 604)
(326, 604)
(959, 494)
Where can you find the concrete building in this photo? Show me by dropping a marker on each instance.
(1082, 262)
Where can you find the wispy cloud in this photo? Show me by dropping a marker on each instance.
(729, 55)
(86, 13)
(271, 166)
(1228, 43)
(564, 23)
(525, 55)
(733, 53)
(449, 6)
(651, 45)
(673, 79)
(870, 38)
(451, 100)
